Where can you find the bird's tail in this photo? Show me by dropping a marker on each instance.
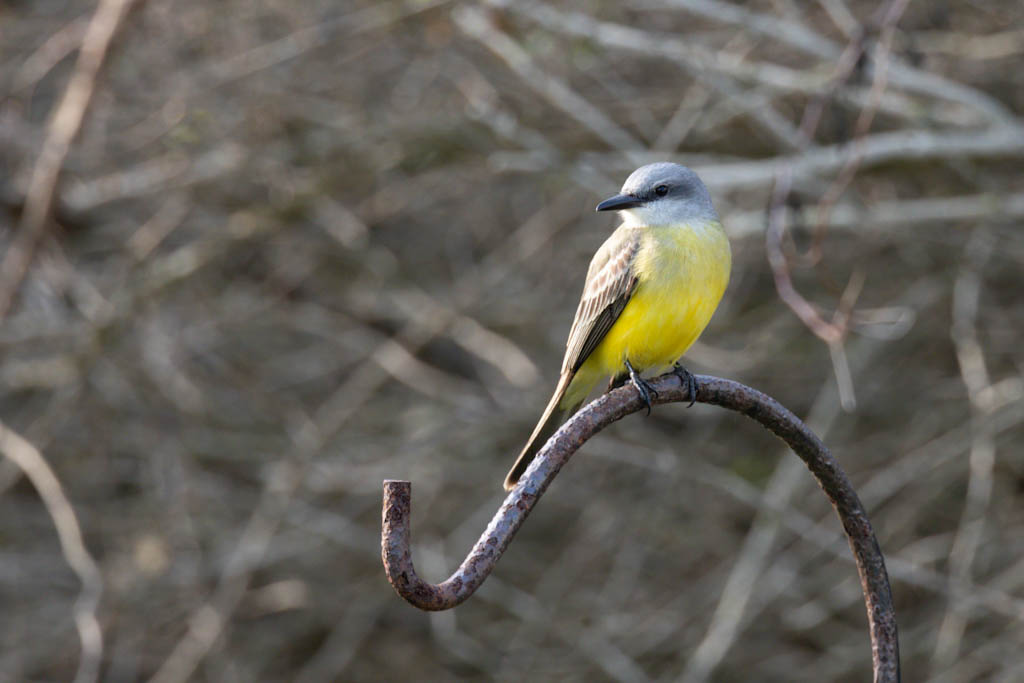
(548, 425)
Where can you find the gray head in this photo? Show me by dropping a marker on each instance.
(662, 194)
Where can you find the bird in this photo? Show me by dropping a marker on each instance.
(650, 291)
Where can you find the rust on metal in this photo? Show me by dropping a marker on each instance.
(395, 535)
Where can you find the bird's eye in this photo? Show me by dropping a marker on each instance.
(661, 190)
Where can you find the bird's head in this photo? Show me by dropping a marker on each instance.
(662, 194)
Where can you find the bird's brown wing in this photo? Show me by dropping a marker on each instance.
(610, 283)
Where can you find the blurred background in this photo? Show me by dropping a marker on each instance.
(299, 248)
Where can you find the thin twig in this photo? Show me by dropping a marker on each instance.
(808, 41)
(889, 215)
(717, 71)
(861, 127)
(63, 127)
(970, 356)
(479, 25)
(206, 623)
(48, 55)
(32, 463)
(832, 333)
(736, 607)
(725, 71)
(395, 536)
(905, 146)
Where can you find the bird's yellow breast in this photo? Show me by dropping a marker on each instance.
(682, 273)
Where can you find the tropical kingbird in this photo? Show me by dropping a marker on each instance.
(650, 291)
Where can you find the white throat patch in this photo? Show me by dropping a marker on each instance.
(668, 212)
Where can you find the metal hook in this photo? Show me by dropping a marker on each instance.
(616, 404)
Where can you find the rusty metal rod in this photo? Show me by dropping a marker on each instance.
(395, 534)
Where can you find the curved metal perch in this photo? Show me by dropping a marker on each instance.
(608, 408)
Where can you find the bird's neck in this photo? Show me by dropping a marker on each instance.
(657, 217)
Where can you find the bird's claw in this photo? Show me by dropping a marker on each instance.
(643, 387)
(688, 380)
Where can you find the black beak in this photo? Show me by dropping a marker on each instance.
(618, 203)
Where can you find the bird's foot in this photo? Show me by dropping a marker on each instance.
(688, 380)
(642, 386)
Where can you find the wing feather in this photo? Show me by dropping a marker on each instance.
(611, 280)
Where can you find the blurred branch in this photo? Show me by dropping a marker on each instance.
(395, 536)
(730, 73)
(772, 511)
(49, 54)
(479, 25)
(172, 171)
(841, 16)
(374, 17)
(208, 621)
(717, 71)
(688, 112)
(908, 146)
(485, 106)
(807, 41)
(30, 461)
(785, 30)
(226, 69)
(503, 354)
(861, 128)
(970, 356)
(393, 356)
(63, 127)
(902, 213)
(832, 333)
(967, 46)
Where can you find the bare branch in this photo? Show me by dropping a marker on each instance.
(49, 54)
(713, 70)
(807, 41)
(964, 45)
(734, 602)
(889, 214)
(725, 71)
(63, 127)
(832, 333)
(908, 146)
(970, 355)
(208, 621)
(475, 23)
(396, 523)
(32, 463)
(165, 173)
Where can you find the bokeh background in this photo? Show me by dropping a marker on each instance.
(301, 247)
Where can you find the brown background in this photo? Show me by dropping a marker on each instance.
(303, 247)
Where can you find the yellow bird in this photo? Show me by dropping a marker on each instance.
(650, 291)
